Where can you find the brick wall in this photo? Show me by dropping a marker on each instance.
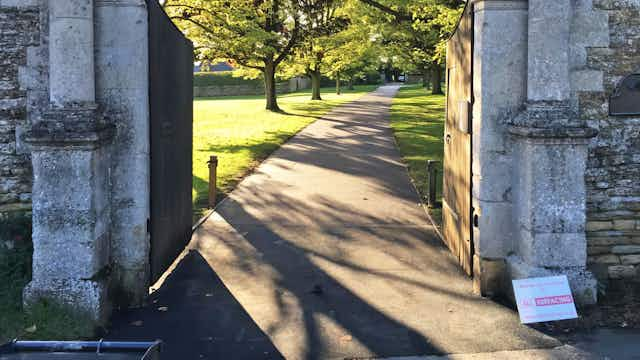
(613, 169)
(19, 31)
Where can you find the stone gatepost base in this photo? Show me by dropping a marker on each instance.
(87, 296)
(71, 211)
(583, 283)
(488, 276)
(550, 154)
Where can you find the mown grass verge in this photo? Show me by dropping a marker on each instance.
(417, 119)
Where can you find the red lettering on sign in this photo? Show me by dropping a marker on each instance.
(554, 300)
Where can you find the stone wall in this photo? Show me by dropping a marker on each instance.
(227, 90)
(613, 170)
(19, 35)
(290, 86)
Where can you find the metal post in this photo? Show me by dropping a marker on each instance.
(432, 174)
(213, 169)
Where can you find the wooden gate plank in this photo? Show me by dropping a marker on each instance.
(171, 133)
(457, 153)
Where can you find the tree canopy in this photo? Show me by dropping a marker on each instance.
(341, 39)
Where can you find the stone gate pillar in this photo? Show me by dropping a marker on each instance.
(71, 214)
(549, 159)
(499, 89)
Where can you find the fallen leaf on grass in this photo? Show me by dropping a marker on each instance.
(31, 329)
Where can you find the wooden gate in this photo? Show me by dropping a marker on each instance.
(456, 210)
(171, 118)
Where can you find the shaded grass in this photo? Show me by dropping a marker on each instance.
(43, 320)
(417, 119)
(242, 134)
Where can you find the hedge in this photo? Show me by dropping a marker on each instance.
(221, 78)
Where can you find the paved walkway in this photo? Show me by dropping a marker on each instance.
(325, 252)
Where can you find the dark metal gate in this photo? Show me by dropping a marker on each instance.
(456, 209)
(171, 120)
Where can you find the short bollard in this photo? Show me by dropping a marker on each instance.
(432, 174)
(213, 169)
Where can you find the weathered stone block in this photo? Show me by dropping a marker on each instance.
(88, 296)
(489, 276)
(582, 282)
(493, 237)
(626, 249)
(69, 259)
(599, 225)
(621, 271)
(587, 80)
(598, 250)
(19, 3)
(624, 224)
(605, 259)
(630, 259)
(554, 250)
(122, 90)
(548, 65)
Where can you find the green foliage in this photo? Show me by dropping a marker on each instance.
(15, 226)
(223, 78)
(247, 32)
(413, 33)
(324, 25)
(417, 120)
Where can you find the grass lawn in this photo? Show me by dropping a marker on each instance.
(242, 134)
(417, 119)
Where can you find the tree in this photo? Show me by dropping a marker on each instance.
(256, 34)
(354, 58)
(323, 25)
(416, 31)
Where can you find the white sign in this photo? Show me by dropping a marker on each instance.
(544, 299)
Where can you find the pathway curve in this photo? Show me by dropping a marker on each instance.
(325, 252)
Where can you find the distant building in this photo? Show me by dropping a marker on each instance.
(201, 66)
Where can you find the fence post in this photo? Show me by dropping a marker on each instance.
(213, 169)
(432, 175)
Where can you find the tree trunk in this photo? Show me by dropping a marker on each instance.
(350, 84)
(270, 87)
(436, 81)
(338, 90)
(315, 85)
(425, 78)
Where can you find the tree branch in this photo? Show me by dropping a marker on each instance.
(400, 16)
(291, 44)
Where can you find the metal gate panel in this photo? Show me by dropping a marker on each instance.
(171, 118)
(457, 153)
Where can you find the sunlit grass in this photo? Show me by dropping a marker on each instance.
(417, 118)
(242, 134)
